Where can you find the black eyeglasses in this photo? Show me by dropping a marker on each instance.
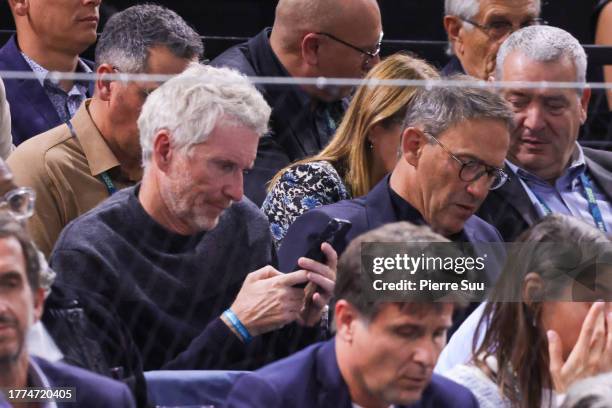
(499, 29)
(370, 54)
(472, 170)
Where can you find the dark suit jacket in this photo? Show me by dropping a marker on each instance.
(293, 131)
(452, 67)
(92, 390)
(510, 210)
(31, 109)
(367, 213)
(312, 379)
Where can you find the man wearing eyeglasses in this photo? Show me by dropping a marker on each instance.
(453, 147)
(550, 171)
(476, 29)
(309, 39)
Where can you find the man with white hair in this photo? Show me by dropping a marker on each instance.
(172, 255)
(476, 29)
(550, 171)
(310, 38)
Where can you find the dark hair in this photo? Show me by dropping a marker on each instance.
(11, 228)
(440, 108)
(128, 36)
(352, 284)
(559, 249)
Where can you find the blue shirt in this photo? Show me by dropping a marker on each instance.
(567, 195)
(65, 103)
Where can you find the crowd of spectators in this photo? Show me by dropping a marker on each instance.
(162, 214)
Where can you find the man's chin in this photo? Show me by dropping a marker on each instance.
(403, 396)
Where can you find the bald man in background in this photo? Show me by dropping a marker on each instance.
(309, 38)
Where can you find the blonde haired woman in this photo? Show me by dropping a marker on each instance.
(361, 152)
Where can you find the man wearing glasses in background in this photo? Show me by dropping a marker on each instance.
(312, 39)
(452, 149)
(476, 29)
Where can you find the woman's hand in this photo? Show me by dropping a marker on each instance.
(591, 355)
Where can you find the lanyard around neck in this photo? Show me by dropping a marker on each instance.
(104, 176)
(590, 196)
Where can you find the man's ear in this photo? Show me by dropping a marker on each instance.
(39, 302)
(310, 48)
(584, 104)
(412, 143)
(20, 7)
(103, 84)
(533, 288)
(345, 316)
(453, 26)
(162, 150)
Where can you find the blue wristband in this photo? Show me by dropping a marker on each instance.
(237, 324)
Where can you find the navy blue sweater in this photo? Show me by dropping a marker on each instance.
(170, 289)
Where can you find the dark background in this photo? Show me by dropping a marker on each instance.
(409, 20)
(402, 20)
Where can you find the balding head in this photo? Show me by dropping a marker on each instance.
(296, 18)
(297, 42)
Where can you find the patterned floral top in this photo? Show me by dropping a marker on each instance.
(300, 189)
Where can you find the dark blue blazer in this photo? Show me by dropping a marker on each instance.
(367, 213)
(92, 390)
(312, 379)
(31, 109)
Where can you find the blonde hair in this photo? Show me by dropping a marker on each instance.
(348, 151)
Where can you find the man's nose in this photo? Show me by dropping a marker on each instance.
(425, 353)
(479, 188)
(235, 188)
(533, 118)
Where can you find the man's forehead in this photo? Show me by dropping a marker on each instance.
(521, 67)
(417, 314)
(11, 254)
(543, 94)
(509, 7)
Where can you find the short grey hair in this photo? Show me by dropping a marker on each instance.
(190, 105)
(544, 44)
(461, 8)
(441, 108)
(467, 9)
(130, 34)
(592, 392)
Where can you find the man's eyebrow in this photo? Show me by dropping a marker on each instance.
(471, 158)
(11, 274)
(407, 326)
(553, 98)
(518, 92)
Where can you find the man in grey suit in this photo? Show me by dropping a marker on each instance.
(550, 171)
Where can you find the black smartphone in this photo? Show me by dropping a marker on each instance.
(335, 231)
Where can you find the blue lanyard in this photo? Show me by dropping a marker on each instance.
(110, 186)
(590, 196)
(108, 183)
